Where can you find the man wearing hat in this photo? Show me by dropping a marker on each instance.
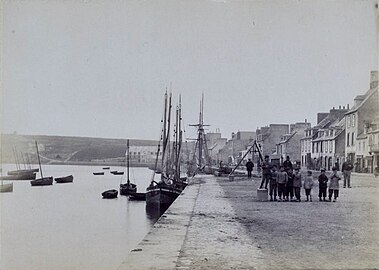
(322, 185)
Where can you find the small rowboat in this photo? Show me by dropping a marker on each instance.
(65, 179)
(110, 194)
(98, 173)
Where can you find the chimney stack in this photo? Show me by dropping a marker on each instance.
(347, 106)
(373, 79)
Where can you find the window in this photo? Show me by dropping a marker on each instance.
(353, 120)
(364, 146)
(331, 146)
(321, 147)
(348, 139)
(352, 139)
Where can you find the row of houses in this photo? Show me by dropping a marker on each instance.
(339, 134)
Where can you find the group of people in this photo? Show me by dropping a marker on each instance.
(285, 182)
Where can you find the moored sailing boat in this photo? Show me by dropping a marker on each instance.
(4, 187)
(164, 192)
(43, 181)
(127, 188)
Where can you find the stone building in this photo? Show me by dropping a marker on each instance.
(323, 144)
(364, 111)
(373, 144)
(231, 152)
(268, 137)
(289, 144)
(215, 143)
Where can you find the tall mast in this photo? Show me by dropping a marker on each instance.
(127, 160)
(168, 133)
(39, 161)
(164, 129)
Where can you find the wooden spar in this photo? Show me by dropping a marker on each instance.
(39, 161)
(164, 129)
(168, 134)
(127, 161)
(251, 147)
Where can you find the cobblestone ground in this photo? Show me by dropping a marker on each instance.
(307, 235)
(215, 239)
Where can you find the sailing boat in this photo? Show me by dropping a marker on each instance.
(43, 181)
(127, 188)
(4, 187)
(201, 154)
(164, 192)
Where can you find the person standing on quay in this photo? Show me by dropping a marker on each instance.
(334, 185)
(282, 181)
(347, 167)
(287, 164)
(266, 172)
(289, 186)
(297, 184)
(322, 185)
(308, 184)
(273, 184)
(249, 168)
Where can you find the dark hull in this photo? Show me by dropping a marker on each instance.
(137, 196)
(98, 173)
(117, 173)
(110, 194)
(66, 179)
(127, 189)
(23, 172)
(161, 195)
(46, 181)
(27, 176)
(106, 168)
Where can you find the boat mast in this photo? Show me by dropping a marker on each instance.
(39, 161)
(164, 130)
(127, 161)
(168, 135)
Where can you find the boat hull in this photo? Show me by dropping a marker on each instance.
(25, 176)
(98, 173)
(161, 195)
(46, 181)
(110, 194)
(23, 172)
(137, 196)
(66, 179)
(127, 189)
(6, 188)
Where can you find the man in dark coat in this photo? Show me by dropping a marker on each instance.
(266, 172)
(347, 167)
(287, 164)
(249, 167)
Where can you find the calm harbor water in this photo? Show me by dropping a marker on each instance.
(70, 226)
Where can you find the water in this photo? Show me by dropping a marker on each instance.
(70, 226)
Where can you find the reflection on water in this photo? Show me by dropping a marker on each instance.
(154, 212)
(70, 226)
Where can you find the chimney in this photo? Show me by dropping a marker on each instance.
(373, 79)
(347, 106)
(339, 107)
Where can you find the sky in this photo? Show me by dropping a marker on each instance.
(100, 68)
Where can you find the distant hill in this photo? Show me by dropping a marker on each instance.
(65, 149)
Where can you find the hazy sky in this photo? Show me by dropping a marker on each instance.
(99, 68)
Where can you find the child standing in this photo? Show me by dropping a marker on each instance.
(308, 184)
(334, 185)
(273, 184)
(282, 181)
(297, 184)
(289, 186)
(322, 185)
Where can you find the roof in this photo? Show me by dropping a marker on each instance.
(369, 93)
